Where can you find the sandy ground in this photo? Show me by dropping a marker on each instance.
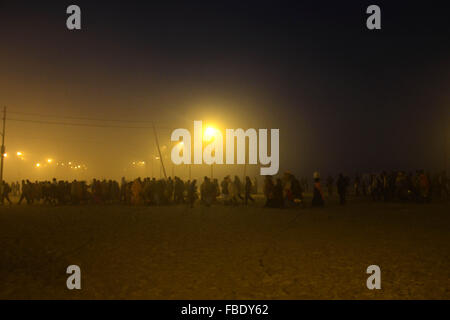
(226, 252)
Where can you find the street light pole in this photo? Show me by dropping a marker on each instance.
(3, 145)
(214, 155)
(159, 151)
(152, 167)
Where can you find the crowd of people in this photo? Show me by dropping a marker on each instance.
(418, 187)
(147, 191)
(283, 191)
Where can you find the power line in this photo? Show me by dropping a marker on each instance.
(82, 124)
(77, 118)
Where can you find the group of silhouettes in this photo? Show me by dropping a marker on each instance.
(147, 191)
(418, 187)
(283, 191)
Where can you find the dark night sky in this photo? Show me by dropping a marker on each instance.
(344, 98)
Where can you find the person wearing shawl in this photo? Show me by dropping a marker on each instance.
(317, 200)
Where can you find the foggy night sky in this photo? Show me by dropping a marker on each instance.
(344, 98)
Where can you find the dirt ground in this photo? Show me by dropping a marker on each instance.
(174, 252)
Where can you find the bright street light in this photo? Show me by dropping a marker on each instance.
(210, 133)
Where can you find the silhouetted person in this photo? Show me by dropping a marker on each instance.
(224, 186)
(357, 185)
(5, 191)
(248, 190)
(178, 190)
(342, 184)
(278, 194)
(26, 192)
(238, 185)
(255, 186)
(317, 200)
(192, 193)
(215, 190)
(269, 190)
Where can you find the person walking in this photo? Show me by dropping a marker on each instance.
(5, 191)
(248, 190)
(342, 184)
(317, 200)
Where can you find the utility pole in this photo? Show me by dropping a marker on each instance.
(3, 145)
(153, 158)
(446, 139)
(214, 155)
(159, 151)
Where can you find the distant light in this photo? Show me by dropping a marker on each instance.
(79, 167)
(19, 153)
(38, 165)
(5, 155)
(70, 163)
(49, 160)
(157, 158)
